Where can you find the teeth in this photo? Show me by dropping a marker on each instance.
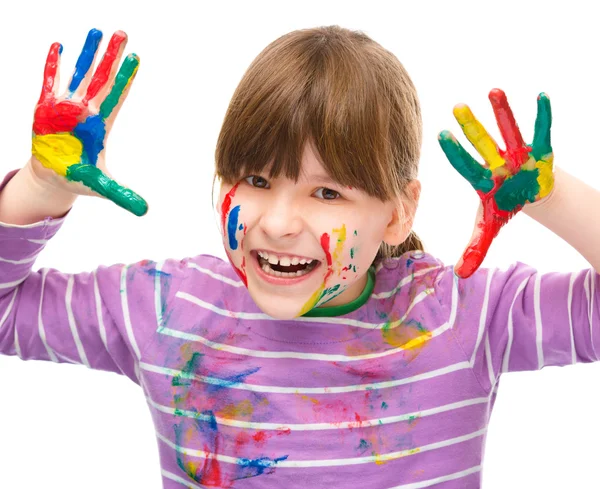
(284, 261)
(295, 261)
(302, 261)
(273, 260)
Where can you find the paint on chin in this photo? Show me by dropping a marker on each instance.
(229, 228)
(324, 294)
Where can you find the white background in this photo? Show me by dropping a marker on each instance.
(64, 426)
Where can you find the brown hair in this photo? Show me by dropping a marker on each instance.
(342, 92)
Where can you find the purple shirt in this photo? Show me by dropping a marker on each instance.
(396, 394)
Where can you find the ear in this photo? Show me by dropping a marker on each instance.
(403, 215)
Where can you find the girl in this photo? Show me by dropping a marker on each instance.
(331, 349)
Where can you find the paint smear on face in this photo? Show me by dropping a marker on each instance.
(230, 228)
(325, 244)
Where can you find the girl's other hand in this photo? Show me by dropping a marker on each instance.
(509, 179)
(70, 130)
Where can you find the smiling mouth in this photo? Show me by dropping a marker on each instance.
(285, 267)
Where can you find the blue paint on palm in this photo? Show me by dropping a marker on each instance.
(232, 226)
(86, 58)
(91, 133)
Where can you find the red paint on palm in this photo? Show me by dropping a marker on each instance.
(109, 61)
(51, 117)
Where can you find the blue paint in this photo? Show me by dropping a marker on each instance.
(60, 48)
(261, 464)
(232, 225)
(208, 420)
(241, 227)
(91, 133)
(232, 380)
(86, 58)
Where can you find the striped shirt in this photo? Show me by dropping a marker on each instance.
(396, 394)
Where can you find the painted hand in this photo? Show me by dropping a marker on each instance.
(510, 178)
(70, 131)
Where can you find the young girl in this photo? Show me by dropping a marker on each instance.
(331, 351)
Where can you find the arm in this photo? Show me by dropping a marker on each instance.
(567, 212)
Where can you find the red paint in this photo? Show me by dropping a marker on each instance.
(489, 225)
(211, 470)
(517, 152)
(50, 71)
(259, 437)
(105, 68)
(325, 246)
(51, 117)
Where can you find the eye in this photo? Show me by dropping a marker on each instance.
(256, 181)
(327, 194)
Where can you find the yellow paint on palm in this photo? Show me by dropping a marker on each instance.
(479, 137)
(546, 175)
(57, 151)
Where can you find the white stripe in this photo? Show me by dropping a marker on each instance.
(264, 317)
(437, 480)
(406, 280)
(8, 308)
(44, 223)
(305, 390)
(157, 295)
(490, 366)
(367, 423)
(483, 316)
(326, 357)
(222, 278)
(506, 358)
(590, 292)
(72, 325)
(570, 313)
(454, 300)
(126, 317)
(37, 241)
(41, 329)
(538, 320)
(17, 345)
(379, 458)
(20, 262)
(10, 285)
(98, 301)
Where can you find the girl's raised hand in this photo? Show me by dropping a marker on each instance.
(70, 130)
(509, 179)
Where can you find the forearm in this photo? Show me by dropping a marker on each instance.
(569, 212)
(27, 199)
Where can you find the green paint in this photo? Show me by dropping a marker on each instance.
(384, 405)
(477, 175)
(355, 232)
(351, 252)
(127, 70)
(364, 445)
(541, 140)
(411, 419)
(95, 179)
(518, 190)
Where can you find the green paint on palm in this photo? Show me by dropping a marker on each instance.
(516, 191)
(477, 175)
(127, 70)
(95, 179)
(541, 140)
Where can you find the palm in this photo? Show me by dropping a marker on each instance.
(70, 131)
(510, 178)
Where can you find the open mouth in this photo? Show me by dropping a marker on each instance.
(285, 266)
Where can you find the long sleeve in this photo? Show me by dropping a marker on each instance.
(520, 319)
(100, 319)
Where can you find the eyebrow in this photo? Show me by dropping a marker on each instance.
(320, 178)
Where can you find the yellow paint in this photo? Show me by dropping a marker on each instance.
(546, 177)
(311, 399)
(479, 137)
(57, 151)
(335, 259)
(382, 459)
(240, 410)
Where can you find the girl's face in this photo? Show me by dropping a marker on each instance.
(300, 245)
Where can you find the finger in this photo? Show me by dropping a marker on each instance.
(51, 73)
(476, 174)
(85, 60)
(120, 86)
(100, 183)
(541, 140)
(107, 67)
(506, 122)
(478, 136)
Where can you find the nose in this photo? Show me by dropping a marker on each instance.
(281, 218)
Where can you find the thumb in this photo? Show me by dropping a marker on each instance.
(483, 233)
